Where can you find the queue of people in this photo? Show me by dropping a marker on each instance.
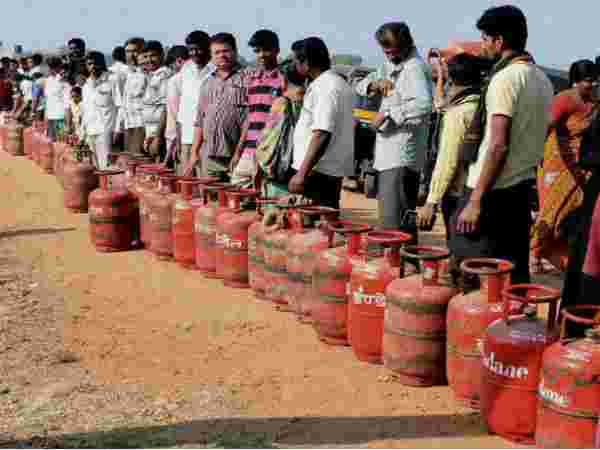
(288, 128)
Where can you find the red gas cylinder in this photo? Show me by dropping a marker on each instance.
(414, 328)
(14, 139)
(184, 250)
(111, 213)
(46, 155)
(469, 315)
(569, 392)
(366, 306)
(160, 206)
(119, 180)
(256, 257)
(79, 180)
(205, 227)
(331, 284)
(311, 236)
(233, 228)
(27, 140)
(275, 241)
(512, 359)
(148, 183)
(224, 214)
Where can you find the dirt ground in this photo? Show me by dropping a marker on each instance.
(120, 350)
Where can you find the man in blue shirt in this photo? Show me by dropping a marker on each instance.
(402, 124)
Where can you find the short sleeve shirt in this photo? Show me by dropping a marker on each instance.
(524, 93)
(221, 112)
(328, 107)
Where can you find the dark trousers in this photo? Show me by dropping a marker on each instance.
(449, 205)
(503, 231)
(397, 191)
(323, 190)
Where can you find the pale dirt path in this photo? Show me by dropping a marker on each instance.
(179, 340)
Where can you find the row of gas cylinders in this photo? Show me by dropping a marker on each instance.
(529, 381)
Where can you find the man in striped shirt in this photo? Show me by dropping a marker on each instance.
(265, 85)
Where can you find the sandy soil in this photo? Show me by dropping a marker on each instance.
(105, 350)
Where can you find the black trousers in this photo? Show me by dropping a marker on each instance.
(503, 231)
(323, 190)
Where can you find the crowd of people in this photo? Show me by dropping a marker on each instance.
(287, 127)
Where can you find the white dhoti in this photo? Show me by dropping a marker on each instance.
(101, 145)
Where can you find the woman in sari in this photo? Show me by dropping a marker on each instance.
(560, 182)
(288, 104)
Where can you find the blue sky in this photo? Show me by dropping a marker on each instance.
(347, 26)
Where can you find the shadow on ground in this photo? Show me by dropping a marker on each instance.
(34, 232)
(266, 432)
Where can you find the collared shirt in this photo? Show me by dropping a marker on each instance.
(55, 89)
(327, 106)
(221, 112)
(449, 174)
(402, 142)
(524, 93)
(173, 100)
(192, 79)
(155, 99)
(99, 105)
(133, 97)
(264, 87)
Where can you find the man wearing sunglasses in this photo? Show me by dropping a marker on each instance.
(402, 124)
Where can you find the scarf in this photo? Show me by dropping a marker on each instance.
(474, 134)
(455, 100)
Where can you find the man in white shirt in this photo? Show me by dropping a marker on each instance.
(176, 59)
(193, 75)
(131, 118)
(100, 93)
(494, 217)
(154, 104)
(324, 133)
(121, 70)
(55, 89)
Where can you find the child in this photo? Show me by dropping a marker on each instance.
(73, 117)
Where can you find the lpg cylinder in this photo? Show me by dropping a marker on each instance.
(160, 206)
(370, 277)
(311, 237)
(274, 242)
(512, 359)
(256, 257)
(233, 230)
(331, 284)
(184, 250)
(223, 214)
(120, 179)
(80, 179)
(469, 315)
(111, 213)
(27, 140)
(414, 328)
(14, 139)
(149, 174)
(569, 389)
(205, 227)
(46, 155)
